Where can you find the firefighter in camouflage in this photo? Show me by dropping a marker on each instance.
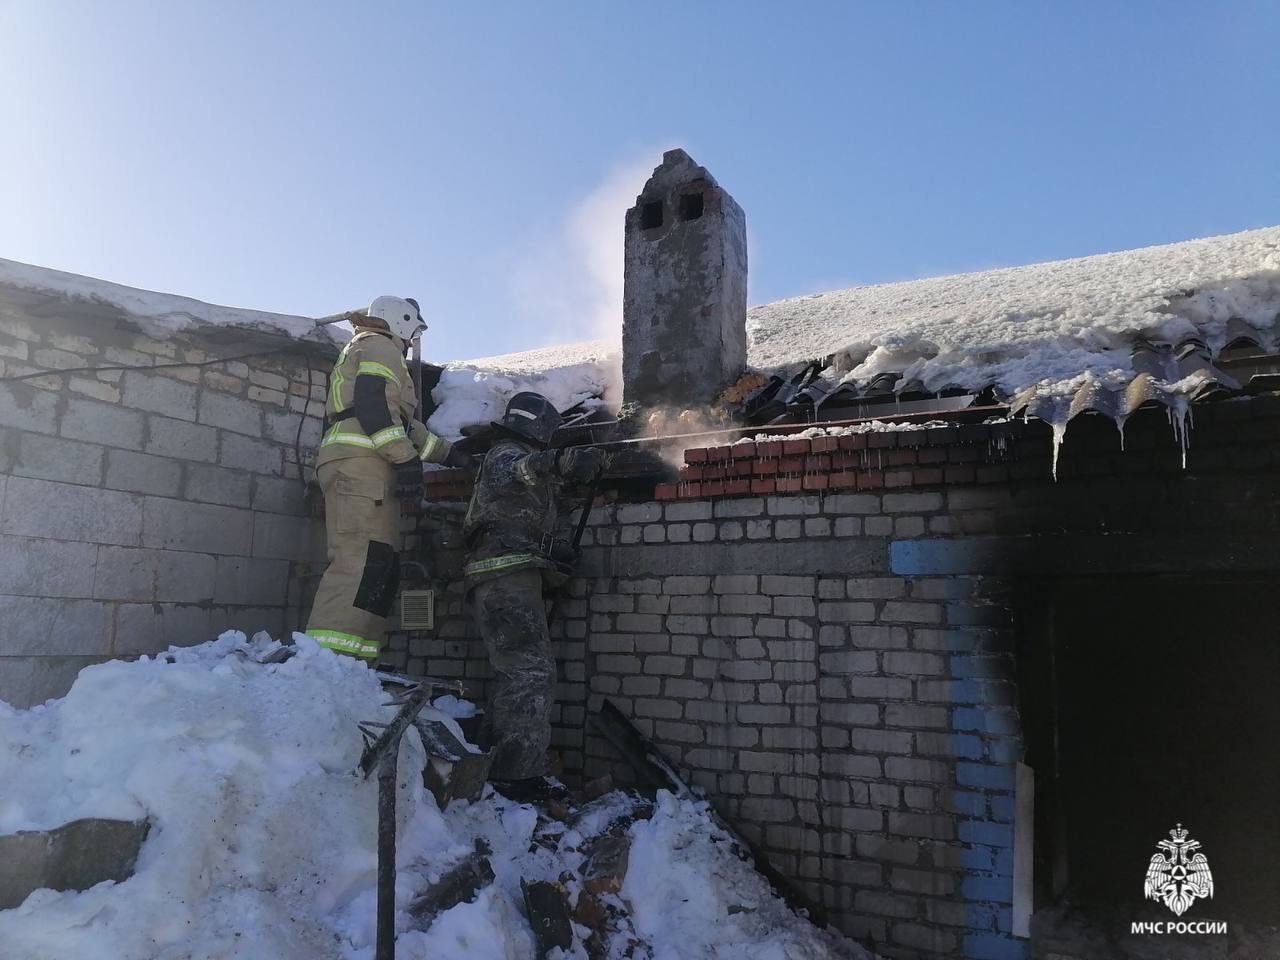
(370, 458)
(513, 554)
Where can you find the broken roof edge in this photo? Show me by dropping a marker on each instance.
(156, 314)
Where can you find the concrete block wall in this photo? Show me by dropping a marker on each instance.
(836, 668)
(148, 506)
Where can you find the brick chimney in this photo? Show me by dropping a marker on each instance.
(684, 336)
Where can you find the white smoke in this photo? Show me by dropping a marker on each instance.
(572, 285)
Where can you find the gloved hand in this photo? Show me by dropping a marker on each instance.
(582, 464)
(409, 483)
(457, 458)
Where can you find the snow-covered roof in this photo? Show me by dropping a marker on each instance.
(1019, 326)
(1111, 330)
(157, 314)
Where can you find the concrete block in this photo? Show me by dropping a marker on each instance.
(734, 584)
(147, 391)
(251, 581)
(787, 586)
(230, 413)
(167, 437)
(27, 681)
(142, 473)
(288, 538)
(691, 510)
(60, 511)
(47, 627)
(51, 458)
(75, 856)
(196, 527)
(284, 427)
(209, 484)
(846, 612)
(246, 453)
(153, 627)
(46, 568)
(639, 512)
(686, 585)
(28, 408)
(277, 495)
(102, 423)
(171, 576)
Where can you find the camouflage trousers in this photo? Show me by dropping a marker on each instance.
(512, 619)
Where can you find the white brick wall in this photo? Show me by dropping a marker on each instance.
(143, 508)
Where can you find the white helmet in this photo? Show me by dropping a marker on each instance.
(401, 315)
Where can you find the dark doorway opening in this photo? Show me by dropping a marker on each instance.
(1149, 702)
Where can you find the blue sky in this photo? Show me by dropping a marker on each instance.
(305, 157)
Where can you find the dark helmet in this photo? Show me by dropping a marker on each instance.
(530, 417)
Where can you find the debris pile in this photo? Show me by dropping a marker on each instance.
(261, 838)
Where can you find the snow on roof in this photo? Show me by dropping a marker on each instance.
(1020, 326)
(476, 391)
(1056, 327)
(156, 314)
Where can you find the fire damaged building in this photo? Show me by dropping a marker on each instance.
(952, 595)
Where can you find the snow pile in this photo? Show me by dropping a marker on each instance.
(476, 391)
(691, 898)
(158, 314)
(1043, 324)
(262, 841)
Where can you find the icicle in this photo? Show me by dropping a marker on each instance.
(1120, 422)
(1059, 432)
(1180, 420)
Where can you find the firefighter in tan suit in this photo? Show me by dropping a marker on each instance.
(370, 458)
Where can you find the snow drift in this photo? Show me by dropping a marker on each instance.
(262, 842)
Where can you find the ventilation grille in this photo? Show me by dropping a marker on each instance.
(417, 609)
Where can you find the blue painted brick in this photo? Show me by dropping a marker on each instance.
(985, 776)
(1002, 865)
(1004, 919)
(985, 720)
(1004, 751)
(978, 859)
(972, 804)
(1002, 809)
(987, 889)
(991, 834)
(982, 916)
(966, 746)
(978, 668)
(966, 691)
(991, 946)
(961, 641)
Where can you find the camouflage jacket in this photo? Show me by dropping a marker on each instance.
(513, 520)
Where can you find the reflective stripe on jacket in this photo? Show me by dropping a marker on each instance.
(371, 405)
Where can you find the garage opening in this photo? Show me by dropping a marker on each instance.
(1151, 705)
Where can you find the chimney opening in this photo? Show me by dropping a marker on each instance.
(651, 215)
(690, 206)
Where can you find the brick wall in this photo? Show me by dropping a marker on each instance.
(837, 669)
(150, 506)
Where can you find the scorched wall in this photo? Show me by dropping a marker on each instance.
(838, 670)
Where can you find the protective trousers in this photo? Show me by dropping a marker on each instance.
(512, 619)
(362, 528)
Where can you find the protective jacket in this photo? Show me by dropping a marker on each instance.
(370, 426)
(371, 406)
(511, 522)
